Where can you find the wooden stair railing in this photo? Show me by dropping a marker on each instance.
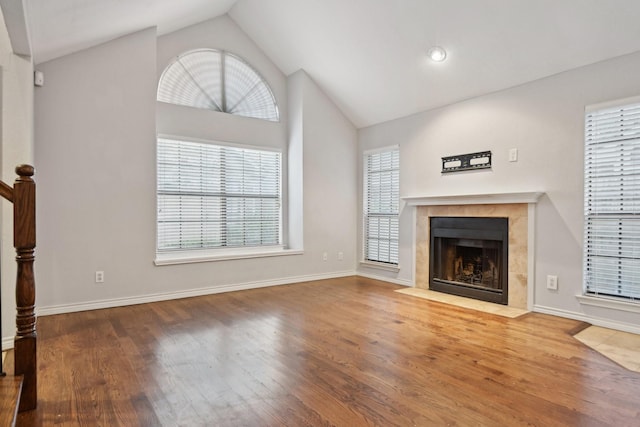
(23, 197)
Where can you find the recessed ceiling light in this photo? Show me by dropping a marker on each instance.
(437, 54)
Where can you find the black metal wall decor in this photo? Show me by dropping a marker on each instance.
(466, 162)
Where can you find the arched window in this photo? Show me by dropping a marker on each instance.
(219, 81)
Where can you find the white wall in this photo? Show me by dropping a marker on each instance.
(95, 130)
(544, 120)
(16, 148)
(329, 145)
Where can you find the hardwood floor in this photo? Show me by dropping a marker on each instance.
(343, 352)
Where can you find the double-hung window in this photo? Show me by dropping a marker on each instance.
(213, 196)
(381, 205)
(612, 201)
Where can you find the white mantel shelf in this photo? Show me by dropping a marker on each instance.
(474, 199)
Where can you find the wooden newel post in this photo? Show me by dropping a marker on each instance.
(24, 240)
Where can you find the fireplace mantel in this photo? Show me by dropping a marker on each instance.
(474, 199)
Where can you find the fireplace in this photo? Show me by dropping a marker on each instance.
(469, 257)
(519, 208)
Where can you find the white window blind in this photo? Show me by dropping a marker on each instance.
(612, 202)
(213, 196)
(219, 81)
(382, 194)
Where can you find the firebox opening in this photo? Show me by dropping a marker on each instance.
(469, 257)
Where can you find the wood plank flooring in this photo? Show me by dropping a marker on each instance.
(10, 389)
(342, 352)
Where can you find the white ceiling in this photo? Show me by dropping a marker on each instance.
(60, 27)
(369, 55)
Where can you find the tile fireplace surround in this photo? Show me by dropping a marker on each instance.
(519, 208)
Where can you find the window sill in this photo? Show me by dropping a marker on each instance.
(610, 303)
(190, 257)
(380, 266)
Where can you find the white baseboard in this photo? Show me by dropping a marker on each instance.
(402, 282)
(120, 302)
(7, 343)
(605, 323)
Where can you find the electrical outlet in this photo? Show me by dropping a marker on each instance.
(340, 256)
(513, 155)
(552, 283)
(99, 276)
(325, 256)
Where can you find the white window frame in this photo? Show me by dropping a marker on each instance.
(611, 215)
(392, 263)
(181, 256)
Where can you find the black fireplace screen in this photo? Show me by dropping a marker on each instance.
(469, 257)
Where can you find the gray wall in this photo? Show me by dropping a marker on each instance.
(330, 193)
(95, 130)
(16, 147)
(95, 152)
(544, 120)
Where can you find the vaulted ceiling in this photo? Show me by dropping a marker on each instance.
(369, 56)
